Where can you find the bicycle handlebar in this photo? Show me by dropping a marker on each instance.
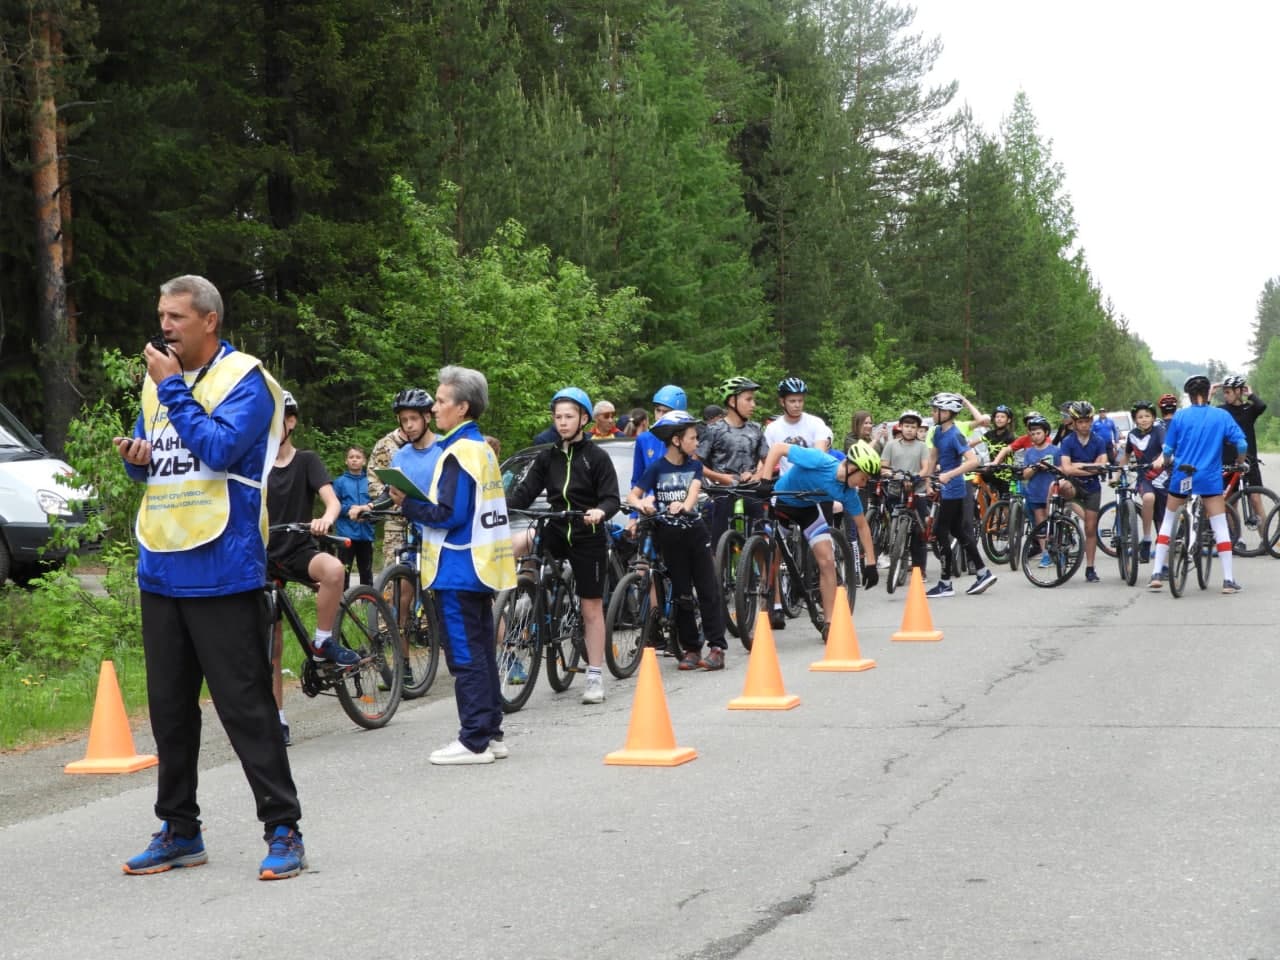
(306, 528)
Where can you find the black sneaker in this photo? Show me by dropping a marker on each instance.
(985, 580)
(1091, 575)
(777, 619)
(1144, 552)
(284, 732)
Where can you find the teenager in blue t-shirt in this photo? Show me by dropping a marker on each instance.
(352, 489)
(951, 454)
(1036, 482)
(1081, 448)
(668, 491)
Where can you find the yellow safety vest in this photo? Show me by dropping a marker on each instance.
(489, 542)
(187, 503)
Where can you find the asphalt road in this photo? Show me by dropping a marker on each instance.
(1086, 772)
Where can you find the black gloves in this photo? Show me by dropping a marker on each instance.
(870, 576)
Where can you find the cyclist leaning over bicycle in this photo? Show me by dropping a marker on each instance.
(576, 474)
(668, 490)
(295, 480)
(1194, 440)
(906, 454)
(951, 454)
(1080, 449)
(732, 450)
(998, 438)
(1142, 447)
(839, 481)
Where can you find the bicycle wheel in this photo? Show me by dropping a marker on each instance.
(846, 567)
(1179, 553)
(624, 625)
(790, 585)
(564, 646)
(1017, 533)
(752, 588)
(1127, 537)
(1205, 548)
(1061, 552)
(416, 621)
(367, 626)
(1249, 537)
(1107, 521)
(995, 533)
(728, 553)
(518, 644)
(1272, 532)
(899, 553)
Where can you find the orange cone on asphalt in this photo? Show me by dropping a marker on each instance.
(650, 740)
(763, 689)
(917, 624)
(843, 655)
(110, 739)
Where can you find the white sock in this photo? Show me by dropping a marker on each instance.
(1222, 534)
(282, 719)
(593, 672)
(1162, 541)
(321, 637)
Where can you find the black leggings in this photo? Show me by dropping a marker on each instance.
(951, 523)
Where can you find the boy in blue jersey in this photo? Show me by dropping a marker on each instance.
(352, 489)
(1193, 445)
(950, 453)
(839, 480)
(1037, 481)
(1082, 449)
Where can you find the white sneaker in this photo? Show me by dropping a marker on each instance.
(499, 749)
(883, 562)
(595, 689)
(459, 753)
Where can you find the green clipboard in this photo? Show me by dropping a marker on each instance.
(394, 478)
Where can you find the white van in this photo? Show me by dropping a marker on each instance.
(29, 496)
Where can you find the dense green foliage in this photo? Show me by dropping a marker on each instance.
(616, 195)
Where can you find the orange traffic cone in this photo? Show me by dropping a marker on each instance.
(110, 740)
(917, 624)
(650, 740)
(842, 641)
(763, 689)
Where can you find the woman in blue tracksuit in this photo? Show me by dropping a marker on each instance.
(465, 558)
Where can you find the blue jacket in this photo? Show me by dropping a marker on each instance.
(232, 437)
(352, 490)
(451, 511)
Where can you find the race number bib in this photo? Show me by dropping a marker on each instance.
(1184, 486)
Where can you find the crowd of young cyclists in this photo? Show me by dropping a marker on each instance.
(693, 478)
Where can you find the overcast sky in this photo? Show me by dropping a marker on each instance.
(1164, 119)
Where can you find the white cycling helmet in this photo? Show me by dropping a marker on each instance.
(947, 401)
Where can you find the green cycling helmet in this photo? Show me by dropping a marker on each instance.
(733, 386)
(863, 456)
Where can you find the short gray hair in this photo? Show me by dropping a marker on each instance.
(469, 385)
(204, 295)
(603, 406)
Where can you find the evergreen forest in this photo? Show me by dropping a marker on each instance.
(615, 195)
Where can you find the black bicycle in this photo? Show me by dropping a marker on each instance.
(786, 543)
(415, 612)
(1054, 548)
(369, 690)
(540, 615)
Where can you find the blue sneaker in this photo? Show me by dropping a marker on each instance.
(285, 855)
(331, 651)
(166, 851)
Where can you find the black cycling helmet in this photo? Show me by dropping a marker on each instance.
(413, 398)
(1143, 405)
(672, 423)
(791, 385)
(1037, 422)
(1168, 402)
(290, 404)
(1196, 385)
(1234, 382)
(1079, 409)
(1032, 415)
(1003, 408)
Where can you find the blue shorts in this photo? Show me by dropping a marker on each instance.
(1204, 483)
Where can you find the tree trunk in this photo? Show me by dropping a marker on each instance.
(57, 353)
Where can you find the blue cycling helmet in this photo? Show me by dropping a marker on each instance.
(671, 397)
(1003, 408)
(577, 395)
